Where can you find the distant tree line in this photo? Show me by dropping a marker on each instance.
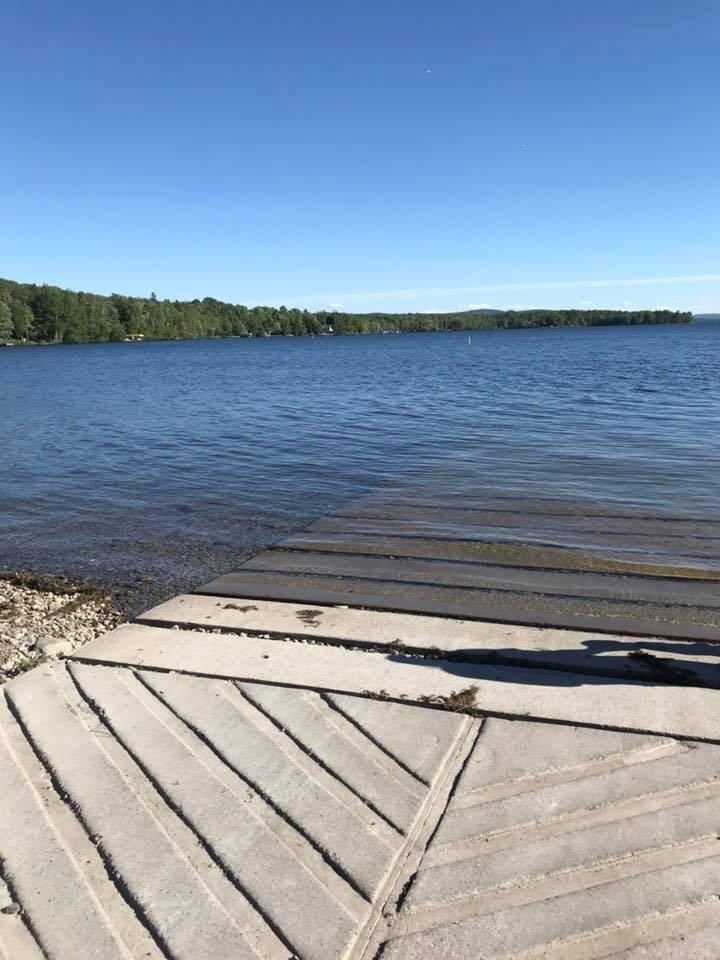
(43, 314)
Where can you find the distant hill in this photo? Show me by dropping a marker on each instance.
(706, 316)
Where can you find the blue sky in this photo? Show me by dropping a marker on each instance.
(376, 155)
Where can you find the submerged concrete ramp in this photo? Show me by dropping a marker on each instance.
(289, 787)
(502, 559)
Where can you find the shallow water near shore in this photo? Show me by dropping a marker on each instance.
(174, 461)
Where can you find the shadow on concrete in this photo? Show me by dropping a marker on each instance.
(667, 662)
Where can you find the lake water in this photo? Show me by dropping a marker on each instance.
(174, 461)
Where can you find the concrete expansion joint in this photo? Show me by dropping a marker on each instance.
(371, 944)
(407, 886)
(399, 647)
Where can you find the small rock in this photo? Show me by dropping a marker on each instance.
(11, 908)
(52, 647)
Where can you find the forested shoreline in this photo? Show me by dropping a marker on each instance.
(31, 313)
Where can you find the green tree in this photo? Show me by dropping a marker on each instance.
(48, 307)
(22, 319)
(6, 324)
(49, 314)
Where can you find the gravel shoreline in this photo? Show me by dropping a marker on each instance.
(43, 617)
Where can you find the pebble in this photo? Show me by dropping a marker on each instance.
(11, 908)
(35, 624)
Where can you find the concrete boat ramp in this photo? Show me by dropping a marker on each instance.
(243, 774)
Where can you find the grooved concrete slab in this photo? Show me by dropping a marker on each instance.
(193, 794)
(60, 874)
(152, 814)
(507, 691)
(651, 658)
(584, 845)
(206, 819)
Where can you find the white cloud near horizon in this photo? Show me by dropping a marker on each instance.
(529, 285)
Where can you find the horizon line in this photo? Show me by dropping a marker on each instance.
(509, 287)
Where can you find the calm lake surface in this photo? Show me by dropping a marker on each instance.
(176, 460)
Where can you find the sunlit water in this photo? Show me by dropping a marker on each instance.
(176, 460)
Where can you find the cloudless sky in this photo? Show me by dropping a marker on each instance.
(383, 154)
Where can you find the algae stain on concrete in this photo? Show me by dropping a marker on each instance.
(311, 618)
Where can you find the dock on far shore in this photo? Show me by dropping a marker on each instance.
(395, 735)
